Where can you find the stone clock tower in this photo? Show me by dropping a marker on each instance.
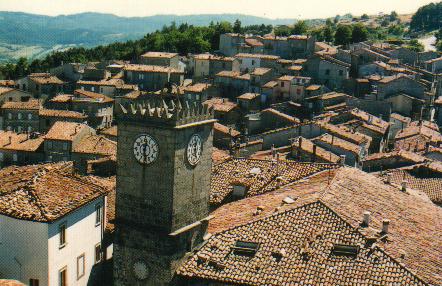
(163, 183)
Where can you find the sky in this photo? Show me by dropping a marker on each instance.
(263, 8)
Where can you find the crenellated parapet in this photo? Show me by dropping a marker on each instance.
(173, 113)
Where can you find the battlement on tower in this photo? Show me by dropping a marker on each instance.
(173, 113)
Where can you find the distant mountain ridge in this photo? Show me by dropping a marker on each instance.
(97, 28)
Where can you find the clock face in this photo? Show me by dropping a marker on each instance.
(194, 149)
(140, 270)
(145, 149)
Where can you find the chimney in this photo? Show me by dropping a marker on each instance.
(388, 178)
(313, 159)
(342, 160)
(273, 152)
(366, 219)
(404, 186)
(385, 225)
(427, 147)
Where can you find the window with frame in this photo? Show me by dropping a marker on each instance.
(19, 116)
(14, 157)
(62, 234)
(81, 261)
(9, 115)
(98, 254)
(65, 146)
(63, 277)
(30, 116)
(98, 215)
(92, 88)
(33, 282)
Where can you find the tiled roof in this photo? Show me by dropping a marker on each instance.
(281, 115)
(111, 131)
(213, 57)
(296, 247)
(231, 74)
(96, 144)
(221, 104)
(270, 84)
(294, 68)
(4, 90)
(62, 98)
(261, 176)
(430, 185)
(401, 118)
(45, 79)
(61, 113)
(159, 55)
(44, 192)
(340, 143)
(32, 104)
(19, 142)
(7, 282)
(370, 119)
(260, 71)
(197, 87)
(257, 56)
(151, 68)
(226, 130)
(307, 146)
(248, 96)
(219, 155)
(93, 95)
(414, 138)
(313, 87)
(414, 235)
(353, 137)
(66, 131)
(253, 42)
(404, 154)
(6, 82)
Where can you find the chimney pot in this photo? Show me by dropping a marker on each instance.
(404, 186)
(385, 225)
(388, 178)
(366, 219)
(342, 160)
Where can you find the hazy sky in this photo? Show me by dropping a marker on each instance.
(264, 8)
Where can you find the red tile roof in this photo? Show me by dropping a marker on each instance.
(65, 131)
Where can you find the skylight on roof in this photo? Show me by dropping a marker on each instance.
(245, 248)
(345, 250)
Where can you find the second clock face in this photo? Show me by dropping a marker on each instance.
(145, 149)
(194, 149)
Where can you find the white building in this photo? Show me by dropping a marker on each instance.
(51, 225)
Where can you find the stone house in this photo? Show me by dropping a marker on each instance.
(42, 85)
(97, 107)
(153, 78)
(72, 72)
(249, 102)
(397, 159)
(249, 62)
(399, 83)
(354, 154)
(224, 136)
(230, 43)
(92, 147)
(208, 65)
(327, 71)
(12, 94)
(198, 92)
(111, 87)
(232, 83)
(274, 119)
(434, 65)
(48, 117)
(258, 77)
(21, 116)
(62, 138)
(305, 150)
(20, 148)
(227, 112)
(161, 59)
(291, 88)
(397, 123)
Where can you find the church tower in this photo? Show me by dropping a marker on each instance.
(163, 183)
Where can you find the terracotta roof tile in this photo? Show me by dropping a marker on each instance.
(61, 113)
(151, 68)
(32, 104)
(44, 192)
(19, 142)
(159, 55)
(96, 144)
(66, 131)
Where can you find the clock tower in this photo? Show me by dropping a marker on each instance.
(163, 183)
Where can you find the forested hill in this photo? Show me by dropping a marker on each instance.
(95, 28)
(427, 18)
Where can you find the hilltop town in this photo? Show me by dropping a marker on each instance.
(276, 160)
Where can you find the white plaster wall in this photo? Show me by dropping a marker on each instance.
(26, 243)
(81, 236)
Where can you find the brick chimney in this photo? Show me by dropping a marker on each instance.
(366, 219)
(385, 225)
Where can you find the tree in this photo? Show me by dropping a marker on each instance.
(393, 16)
(237, 26)
(365, 17)
(300, 28)
(282, 30)
(359, 33)
(328, 34)
(336, 20)
(414, 45)
(427, 18)
(343, 35)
